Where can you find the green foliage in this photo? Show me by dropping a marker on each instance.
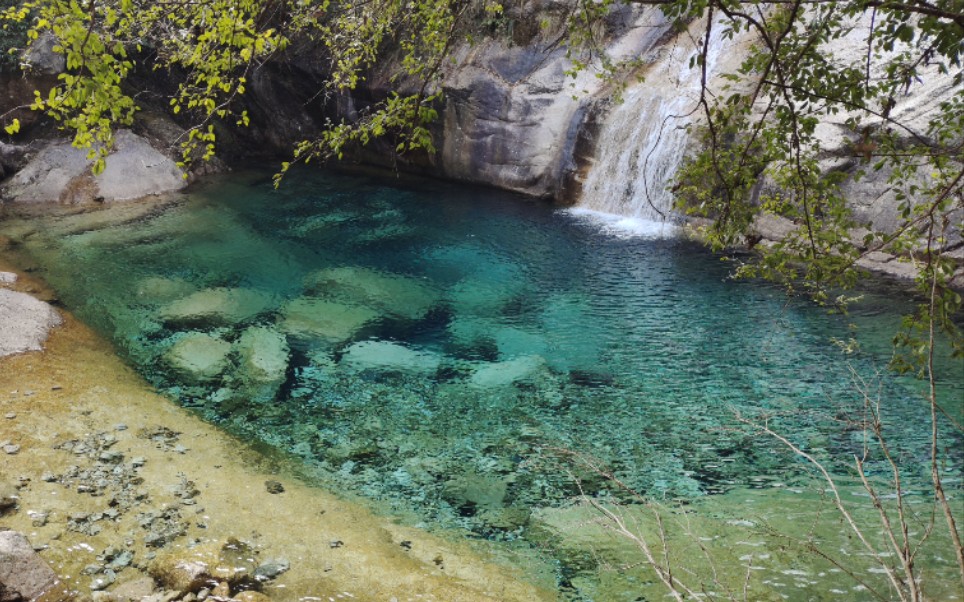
(213, 46)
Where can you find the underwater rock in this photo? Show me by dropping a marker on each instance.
(217, 307)
(500, 374)
(207, 565)
(391, 294)
(482, 296)
(390, 356)
(24, 322)
(316, 318)
(158, 289)
(198, 357)
(262, 361)
(475, 490)
(133, 591)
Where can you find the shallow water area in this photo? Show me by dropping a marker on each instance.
(441, 350)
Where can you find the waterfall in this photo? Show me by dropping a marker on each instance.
(642, 142)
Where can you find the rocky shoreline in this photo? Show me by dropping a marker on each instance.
(125, 496)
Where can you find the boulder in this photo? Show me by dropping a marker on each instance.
(7, 278)
(41, 58)
(217, 307)
(383, 355)
(159, 289)
(23, 574)
(24, 322)
(60, 172)
(501, 374)
(198, 357)
(390, 294)
(262, 361)
(331, 322)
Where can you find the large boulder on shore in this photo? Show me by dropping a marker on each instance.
(23, 574)
(24, 322)
(60, 172)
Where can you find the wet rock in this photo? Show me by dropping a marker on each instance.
(390, 294)
(262, 362)
(384, 355)
(208, 566)
(133, 591)
(162, 526)
(274, 487)
(198, 357)
(271, 569)
(25, 322)
(316, 318)
(217, 307)
(23, 573)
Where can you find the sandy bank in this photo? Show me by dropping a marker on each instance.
(70, 405)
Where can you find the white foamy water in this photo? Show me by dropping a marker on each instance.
(622, 226)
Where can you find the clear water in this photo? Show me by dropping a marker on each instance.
(439, 349)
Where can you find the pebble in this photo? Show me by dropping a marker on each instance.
(10, 415)
(274, 487)
(120, 427)
(11, 448)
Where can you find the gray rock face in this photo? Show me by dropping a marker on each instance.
(41, 59)
(61, 173)
(23, 574)
(24, 322)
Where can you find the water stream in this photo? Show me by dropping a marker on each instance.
(644, 139)
(440, 350)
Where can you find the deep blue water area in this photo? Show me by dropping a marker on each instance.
(442, 349)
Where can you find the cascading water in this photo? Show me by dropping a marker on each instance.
(643, 141)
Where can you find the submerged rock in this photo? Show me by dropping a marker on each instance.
(316, 318)
(500, 374)
(158, 289)
(262, 361)
(390, 356)
(24, 322)
(391, 294)
(198, 357)
(217, 307)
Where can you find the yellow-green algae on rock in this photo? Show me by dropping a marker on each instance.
(78, 387)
